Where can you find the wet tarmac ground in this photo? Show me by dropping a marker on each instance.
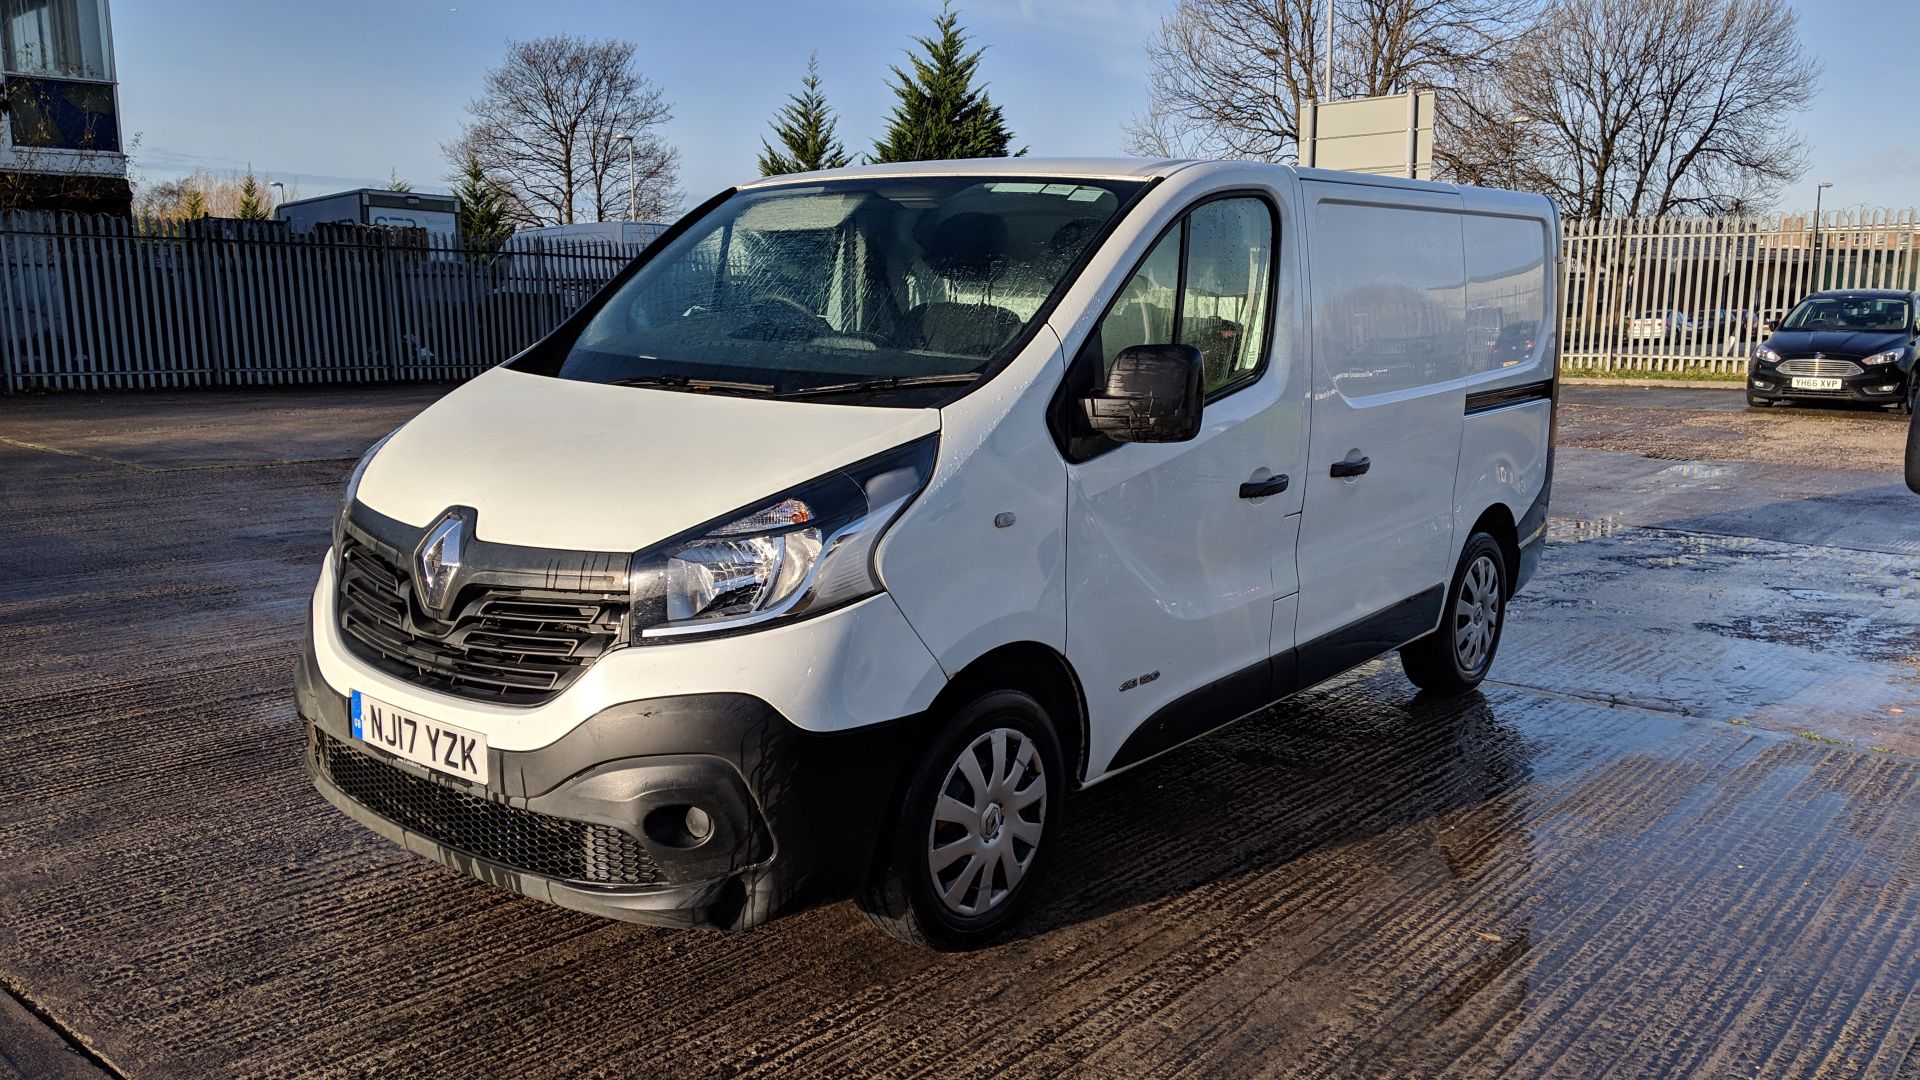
(1678, 834)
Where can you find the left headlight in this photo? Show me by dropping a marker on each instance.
(1766, 355)
(1891, 356)
(797, 553)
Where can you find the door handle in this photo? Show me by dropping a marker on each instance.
(1260, 489)
(1350, 468)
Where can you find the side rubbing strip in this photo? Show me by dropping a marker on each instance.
(1509, 395)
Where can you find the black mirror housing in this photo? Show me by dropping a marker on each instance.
(1153, 394)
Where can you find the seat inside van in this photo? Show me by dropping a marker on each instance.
(969, 253)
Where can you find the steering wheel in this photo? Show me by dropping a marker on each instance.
(772, 317)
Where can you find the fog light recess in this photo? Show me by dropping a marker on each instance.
(679, 826)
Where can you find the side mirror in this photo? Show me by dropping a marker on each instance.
(1153, 394)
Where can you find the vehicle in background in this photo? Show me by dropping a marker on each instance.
(571, 261)
(1664, 326)
(1728, 326)
(1853, 345)
(434, 214)
(870, 514)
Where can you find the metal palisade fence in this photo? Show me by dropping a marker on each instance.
(93, 303)
(1695, 293)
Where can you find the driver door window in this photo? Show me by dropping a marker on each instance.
(1206, 283)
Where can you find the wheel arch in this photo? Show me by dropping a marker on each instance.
(1497, 521)
(1034, 668)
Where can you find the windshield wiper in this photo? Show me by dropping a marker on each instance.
(891, 382)
(683, 382)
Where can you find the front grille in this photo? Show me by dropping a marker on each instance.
(575, 851)
(1822, 367)
(514, 646)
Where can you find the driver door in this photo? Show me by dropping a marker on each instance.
(1172, 588)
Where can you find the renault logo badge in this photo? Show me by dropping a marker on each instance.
(439, 560)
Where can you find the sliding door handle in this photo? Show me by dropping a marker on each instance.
(1355, 467)
(1260, 489)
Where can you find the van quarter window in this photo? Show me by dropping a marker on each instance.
(824, 290)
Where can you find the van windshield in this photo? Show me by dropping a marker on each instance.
(882, 291)
(1869, 313)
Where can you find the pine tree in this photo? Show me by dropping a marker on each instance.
(940, 113)
(193, 202)
(252, 206)
(805, 129)
(482, 215)
(394, 183)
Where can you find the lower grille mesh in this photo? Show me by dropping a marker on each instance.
(536, 843)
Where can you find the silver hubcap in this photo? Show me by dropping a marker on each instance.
(987, 821)
(1476, 615)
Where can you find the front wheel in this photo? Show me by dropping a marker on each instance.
(1455, 657)
(974, 827)
(1913, 447)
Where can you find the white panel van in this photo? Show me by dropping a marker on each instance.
(871, 514)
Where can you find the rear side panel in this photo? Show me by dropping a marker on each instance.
(1506, 450)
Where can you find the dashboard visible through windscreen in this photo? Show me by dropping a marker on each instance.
(881, 291)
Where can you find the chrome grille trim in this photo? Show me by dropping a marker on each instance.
(1827, 367)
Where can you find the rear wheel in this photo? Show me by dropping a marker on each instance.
(1454, 658)
(974, 827)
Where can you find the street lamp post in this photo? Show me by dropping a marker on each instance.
(279, 193)
(633, 192)
(1327, 94)
(1819, 259)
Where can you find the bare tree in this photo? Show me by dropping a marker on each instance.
(1640, 107)
(551, 128)
(1230, 77)
(206, 193)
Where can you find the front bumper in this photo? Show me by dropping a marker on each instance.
(1882, 384)
(793, 815)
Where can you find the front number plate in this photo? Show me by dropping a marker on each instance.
(437, 745)
(1816, 384)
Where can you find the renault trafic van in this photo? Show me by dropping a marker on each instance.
(871, 514)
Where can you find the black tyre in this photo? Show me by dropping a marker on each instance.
(975, 827)
(1913, 448)
(1757, 403)
(1454, 658)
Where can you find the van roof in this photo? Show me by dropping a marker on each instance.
(1080, 168)
(1089, 168)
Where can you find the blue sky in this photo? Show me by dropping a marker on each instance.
(333, 94)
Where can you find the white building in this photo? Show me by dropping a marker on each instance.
(61, 143)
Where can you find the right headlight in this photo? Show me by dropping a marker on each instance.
(797, 553)
(1766, 355)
